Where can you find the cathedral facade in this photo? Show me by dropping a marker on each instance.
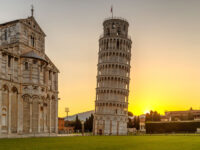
(28, 81)
(113, 76)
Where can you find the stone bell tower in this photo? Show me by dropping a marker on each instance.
(113, 76)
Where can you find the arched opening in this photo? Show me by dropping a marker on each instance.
(118, 31)
(108, 31)
(14, 110)
(117, 44)
(26, 66)
(113, 25)
(4, 117)
(41, 117)
(53, 113)
(106, 44)
(5, 108)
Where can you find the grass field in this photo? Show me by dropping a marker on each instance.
(168, 142)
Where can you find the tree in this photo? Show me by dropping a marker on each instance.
(130, 123)
(152, 116)
(78, 125)
(130, 114)
(136, 122)
(89, 123)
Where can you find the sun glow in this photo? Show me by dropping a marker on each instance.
(146, 111)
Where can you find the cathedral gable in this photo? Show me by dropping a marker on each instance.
(32, 23)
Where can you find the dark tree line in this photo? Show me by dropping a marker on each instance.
(152, 116)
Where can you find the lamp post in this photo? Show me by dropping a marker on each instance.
(67, 111)
(82, 122)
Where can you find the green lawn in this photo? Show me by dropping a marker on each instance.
(169, 142)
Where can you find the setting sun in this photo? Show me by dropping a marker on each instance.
(146, 111)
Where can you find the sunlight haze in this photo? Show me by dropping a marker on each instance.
(165, 64)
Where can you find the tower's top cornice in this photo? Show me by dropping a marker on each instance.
(115, 19)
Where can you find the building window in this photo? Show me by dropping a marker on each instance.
(108, 31)
(113, 25)
(34, 61)
(9, 61)
(5, 35)
(106, 44)
(118, 31)
(117, 44)
(124, 27)
(32, 41)
(4, 120)
(49, 75)
(26, 65)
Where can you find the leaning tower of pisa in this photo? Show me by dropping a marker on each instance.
(113, 76)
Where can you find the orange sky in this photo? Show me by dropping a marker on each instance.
(165, 73)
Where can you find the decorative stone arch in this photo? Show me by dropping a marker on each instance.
(14, 109)
(53, 113)
(5, 88)
(14, 90)
(26, 96)
(5, 107)
(4, 121)
(53, 97)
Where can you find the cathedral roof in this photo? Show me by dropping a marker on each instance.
(10, 22)
(33, 55)
(26, 21)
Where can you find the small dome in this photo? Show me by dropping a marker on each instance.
(33, 55)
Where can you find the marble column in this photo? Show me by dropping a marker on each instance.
(0, 64)
(44, 117)
(9, 114)
(56, 117)
(38, 117)
(19, 114)
(31, 113)
(49, 116)
(0, 109)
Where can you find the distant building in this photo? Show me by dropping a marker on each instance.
(69, 130)
(28, 80)
(142, 122)
(61, 124)
(61, 127)
(183, 115)
(164, 118)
